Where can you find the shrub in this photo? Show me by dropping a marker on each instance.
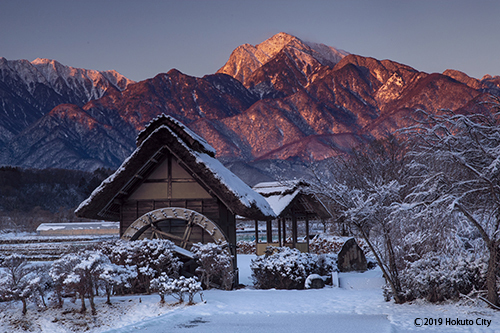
(18, 281)
(83, 274)
(216, 265)
(149, 257)
(437, 278)
(285, 268)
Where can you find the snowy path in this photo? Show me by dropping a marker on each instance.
(277, 323)
(357, 307)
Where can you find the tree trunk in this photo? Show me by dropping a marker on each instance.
(83, 309)
(108, 294)
(60, 300)
(91, 300)
(397, 294)
(392, 263)
(92, 304)
(25, 307)
(43, 300)
(491, 275)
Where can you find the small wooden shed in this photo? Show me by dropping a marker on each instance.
(173, 187)
(293, 203)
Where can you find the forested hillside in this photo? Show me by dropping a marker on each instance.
(32, 196)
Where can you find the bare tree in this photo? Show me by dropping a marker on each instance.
(457, 161)
(363, 187)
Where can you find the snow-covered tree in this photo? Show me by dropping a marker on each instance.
(17, 280)
(160, 285)
(457, 160)
(84, 275)
(363, 189)
(216, 265)
(59, 270)
(44, 284)
(178, 288)
(113, 276)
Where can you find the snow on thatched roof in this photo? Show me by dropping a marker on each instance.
(281, 194)
(163, 135)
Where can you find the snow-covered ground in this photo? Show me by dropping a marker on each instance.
(357, 306)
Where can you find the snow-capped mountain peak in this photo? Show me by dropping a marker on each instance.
(276, 43)
(247, 58)
(79, 78)
(30, 90)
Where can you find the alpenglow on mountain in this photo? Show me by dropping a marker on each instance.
(283, 99)
(29, 90)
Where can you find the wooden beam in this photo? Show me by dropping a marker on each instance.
(269, 231)
(168, 235)
(188, 231)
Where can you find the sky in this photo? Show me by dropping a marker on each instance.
(143, 38)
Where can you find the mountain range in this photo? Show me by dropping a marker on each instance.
(283, 100)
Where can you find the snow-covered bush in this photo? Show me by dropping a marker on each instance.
(178, 288)
(84, 276)
(44, 285)
(437, 278)
(287, 268)
(18, 281)
(216, 265)
(114, 276)
(59, 270)
(160, 285)
(150, 257)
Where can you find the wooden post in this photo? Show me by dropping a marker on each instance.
(269, 231)
(284, 231)
(279, 233)
(294, 231)
(307, 232)
(256, 233)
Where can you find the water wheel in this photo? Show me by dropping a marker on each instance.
(182, 226)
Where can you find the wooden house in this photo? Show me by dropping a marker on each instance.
(173, 187)
(293, 204)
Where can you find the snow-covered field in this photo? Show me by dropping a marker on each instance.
(357, 306)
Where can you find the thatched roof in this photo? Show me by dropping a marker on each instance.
(292, 197)
(166, 135)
